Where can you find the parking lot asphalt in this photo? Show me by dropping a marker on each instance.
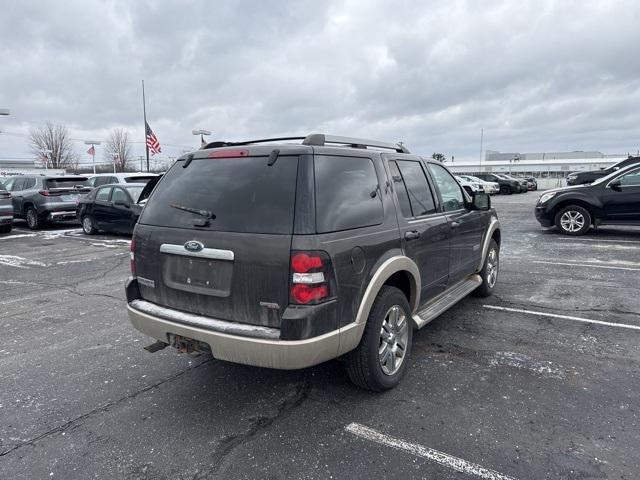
(541, 380)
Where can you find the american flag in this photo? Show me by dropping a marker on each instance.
(92, 150)
(152, 141)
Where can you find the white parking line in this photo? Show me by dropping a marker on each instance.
(441, 458)
(587, 265)
(597, 240)
(564, 317)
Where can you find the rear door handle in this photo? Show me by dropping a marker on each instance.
(412, 235)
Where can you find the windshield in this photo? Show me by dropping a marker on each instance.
(243, 194)
(620, 171)
(135, 192)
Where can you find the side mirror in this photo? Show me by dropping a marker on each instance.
(121, 203)
(616, 185)
(481, 201)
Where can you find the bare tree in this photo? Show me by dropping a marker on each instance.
(53, 143)
(440, 157)
(118, 149)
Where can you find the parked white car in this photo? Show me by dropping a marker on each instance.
(470, 187)
(490, 188)
(105, 178)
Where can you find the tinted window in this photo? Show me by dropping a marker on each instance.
(452, 198)
(347, 193)
(631, 178)
(244, 193)
(66, 182)
(29, 183)
(2, 189)
(103, 194)
(418, 189)
(97, 181)
(401, 190)
(8, 184)
(119, 195)
(138, 179)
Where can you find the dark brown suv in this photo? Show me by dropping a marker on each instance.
(285, 255)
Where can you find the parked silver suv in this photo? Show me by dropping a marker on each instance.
(40, 199)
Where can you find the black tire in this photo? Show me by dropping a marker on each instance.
(88, 225)
(364, 366)
(573, 220)
(489, 272)
(34, 222)
(505, 190)
(5, 228)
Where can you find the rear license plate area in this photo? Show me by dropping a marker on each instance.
(198, 275)
(69, 198)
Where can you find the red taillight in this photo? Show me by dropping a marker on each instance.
(47, 193)
(302, 263)
(310, 277)
(5, 195)
(304, 294)
(229, 153)
(132, 256)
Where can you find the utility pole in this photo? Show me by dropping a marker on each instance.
(144, 112)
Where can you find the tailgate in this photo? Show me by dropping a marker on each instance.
(225, 275)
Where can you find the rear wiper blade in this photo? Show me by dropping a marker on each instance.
(197, 211)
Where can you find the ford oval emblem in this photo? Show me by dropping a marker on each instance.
(193, 246)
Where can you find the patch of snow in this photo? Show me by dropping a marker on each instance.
(19, 262)
(519, 360)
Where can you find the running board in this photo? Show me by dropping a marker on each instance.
(447, 300)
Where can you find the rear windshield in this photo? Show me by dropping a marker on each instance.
(244, 194)
(134, 192)
(66, 182)
(138, 179)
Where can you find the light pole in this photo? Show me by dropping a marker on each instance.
(4, 111)
(92, 151)
(116, 157)
(202, 133)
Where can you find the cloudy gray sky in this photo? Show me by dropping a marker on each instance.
(540, 75)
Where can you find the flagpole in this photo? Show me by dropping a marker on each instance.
(144, 111)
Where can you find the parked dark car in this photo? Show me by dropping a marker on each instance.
(284, 255)
(40, 198)
(6, 210)
(110, 208)
(580, 178)
(507, 185)
(610, 200)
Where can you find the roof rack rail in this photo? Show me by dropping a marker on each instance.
(318, 140)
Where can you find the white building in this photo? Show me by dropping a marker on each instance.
(549, 167)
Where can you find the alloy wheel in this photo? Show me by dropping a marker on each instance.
(492, 267)
(394, 337)
(572, 221)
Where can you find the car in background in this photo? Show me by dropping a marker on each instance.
(581, 178)
(490, 188)
(507, 186)
(524, 185)
(532, 183)
(470, 187)
(40, 198)
(610, 200)
(123, 178)
(6, 210)
(110, 208)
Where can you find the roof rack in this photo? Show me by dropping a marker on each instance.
(318, 140)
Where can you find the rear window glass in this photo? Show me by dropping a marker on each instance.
(2, 189)
(244, 194)
(347, 193)
(66, 182)
(137, 179)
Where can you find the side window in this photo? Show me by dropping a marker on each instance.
(452, 197)
(103, 194)
(401, 190)
(92, 181)
(101, 181)
(418, 190)
(18, 185)
(347, 193)
(29, 183)
(631, 179)
(119, 195)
